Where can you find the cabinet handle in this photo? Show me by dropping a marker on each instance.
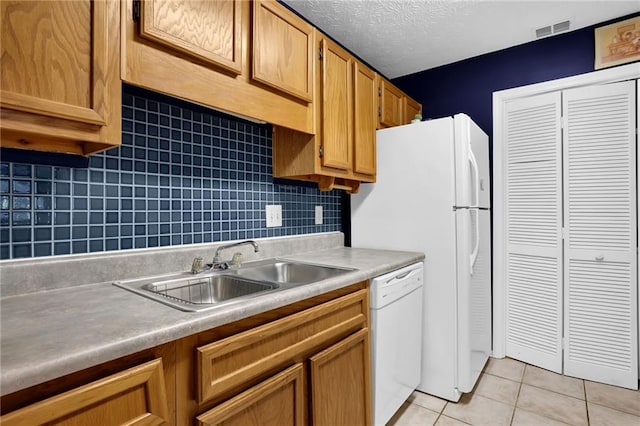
(136, 10)
(600, 258)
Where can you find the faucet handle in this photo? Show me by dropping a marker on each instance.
(196, 266)
(236, 260)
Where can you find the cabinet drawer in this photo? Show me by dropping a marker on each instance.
(134, 396)
(228, 363)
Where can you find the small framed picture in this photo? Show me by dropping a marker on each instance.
(618, 43)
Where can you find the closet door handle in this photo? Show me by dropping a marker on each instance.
(600, 258)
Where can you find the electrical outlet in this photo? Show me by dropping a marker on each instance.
(277, 215)
(318, 215)
(274, 215)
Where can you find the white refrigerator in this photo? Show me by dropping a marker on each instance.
(432, 196)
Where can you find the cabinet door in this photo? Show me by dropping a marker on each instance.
(209, 31)
(391, 101)
(341, 383)
(336, 112)
(228, 363)
(135, 396)
(411, 108)
(282, 50)
(60, 75)
(278, 401)
(365, 97)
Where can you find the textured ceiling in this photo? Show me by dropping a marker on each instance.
(399, 37)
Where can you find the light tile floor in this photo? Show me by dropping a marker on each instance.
(510, 392)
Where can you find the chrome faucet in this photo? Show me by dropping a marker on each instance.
(224, 265)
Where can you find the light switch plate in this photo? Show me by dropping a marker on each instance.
(274, 215)
(318, 215)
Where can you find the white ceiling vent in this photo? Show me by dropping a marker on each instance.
(560, 27)
(544, 31)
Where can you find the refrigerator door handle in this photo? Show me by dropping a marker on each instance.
(475, 202)
(476, 178)
(476, 246)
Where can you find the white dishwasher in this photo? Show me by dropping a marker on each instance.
(396, 338)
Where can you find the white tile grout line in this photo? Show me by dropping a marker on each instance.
(586, 403)
(515, 404)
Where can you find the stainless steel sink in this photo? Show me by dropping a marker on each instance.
(198, 292)
(288, 272)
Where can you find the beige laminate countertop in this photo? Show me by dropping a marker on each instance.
(48, 334)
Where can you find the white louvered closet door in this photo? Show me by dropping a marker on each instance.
(534, 225)
(600, 274)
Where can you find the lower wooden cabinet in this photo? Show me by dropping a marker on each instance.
(278, 401)
(341, 383)
(337, 392)
(307, 362)
(134, 396)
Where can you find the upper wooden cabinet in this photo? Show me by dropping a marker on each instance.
(282, 50)
(391, 105)
(341, 154)
(206, 30)
(396, 108)
(204, 51)
(364, 120)
(334, 110)
(60, 81)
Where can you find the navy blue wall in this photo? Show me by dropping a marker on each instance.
(467, 86)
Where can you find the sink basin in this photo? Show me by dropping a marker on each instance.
(288, 272)
(207, 289)
(197, 292)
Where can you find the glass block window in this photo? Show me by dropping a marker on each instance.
(184, 174)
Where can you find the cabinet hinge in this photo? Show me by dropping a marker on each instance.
(320, 53)
(136, 10)
(321, 151)
(379, 91)
(379, 112)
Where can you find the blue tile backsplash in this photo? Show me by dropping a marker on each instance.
(184, 174)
